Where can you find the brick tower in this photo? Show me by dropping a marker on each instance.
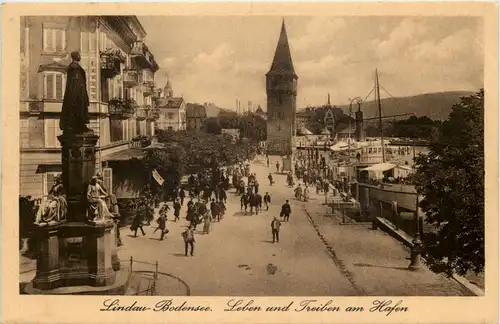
(281, 88)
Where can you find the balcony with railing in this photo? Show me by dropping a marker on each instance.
(157, 93)
(142, 113)
(130, 78)
(153, 114)
(122, 108)
(148, 88)
(110, 62)
(143, 57)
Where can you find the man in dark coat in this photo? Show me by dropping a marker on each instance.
(244, 201)
(267, 200)
(286, 210)
(75, 107)
(214, 210)
(182, 195)
(177, 209)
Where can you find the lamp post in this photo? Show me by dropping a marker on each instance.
(416, 249)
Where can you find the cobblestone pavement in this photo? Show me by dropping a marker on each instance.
(316, 255)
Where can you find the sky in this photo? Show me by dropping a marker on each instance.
(225, 58)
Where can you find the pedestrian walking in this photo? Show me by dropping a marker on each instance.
(244, 201)
(138, 221)
(162, 225)
(214, 210)
(286, 210)
(278, 167)
(207, 220)
(267, 160)
(256, 186)
(188, 236)
(267, 200)
(223, 195)
(306, 193)
(270, 178)
(182, 196)
(275, 229)
(177, 209)
(258, 203)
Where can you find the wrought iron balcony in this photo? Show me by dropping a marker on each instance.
(130, 78)
(110, 62)
(153, 114)
(141, 54)
(148, 88)
(120, 108)
(141, 113)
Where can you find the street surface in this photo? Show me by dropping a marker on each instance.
(316, 255)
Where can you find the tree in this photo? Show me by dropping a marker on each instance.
(251, 125)
(451, 178)
(211, 125)
(414, 127)
(186, 153)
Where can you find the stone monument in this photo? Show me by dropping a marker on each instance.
(77, 254)
(281, 88)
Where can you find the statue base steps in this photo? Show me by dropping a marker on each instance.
(76, 254)
(120, 287)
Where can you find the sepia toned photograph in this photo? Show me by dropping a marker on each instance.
(222, 155)
(236, 157)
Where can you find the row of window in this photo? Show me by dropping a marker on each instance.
(55, 40)
(55, 83)
(110, 131)
(378, 150)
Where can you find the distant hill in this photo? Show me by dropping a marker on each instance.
(436, 106)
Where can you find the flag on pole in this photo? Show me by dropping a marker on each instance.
(158, 177)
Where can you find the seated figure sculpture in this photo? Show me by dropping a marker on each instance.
(53, 208)
(97, 210)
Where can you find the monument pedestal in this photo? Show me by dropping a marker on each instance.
(76, 254)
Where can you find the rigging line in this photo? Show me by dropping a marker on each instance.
(371, 91)
(390, 95)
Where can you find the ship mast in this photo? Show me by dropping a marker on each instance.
(377, 99)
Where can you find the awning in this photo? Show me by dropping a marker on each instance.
(381, 167)
(44, 168)
(125, 155)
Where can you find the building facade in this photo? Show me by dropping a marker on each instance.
(195, 116)
(172, 110)
(119, 69)
(281, 88)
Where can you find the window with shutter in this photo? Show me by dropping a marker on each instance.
(107, 174)
(59, 40)
(48, 40)
(49, 86)
(59, 86)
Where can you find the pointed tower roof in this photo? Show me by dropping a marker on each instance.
(168, 85)
(282, 62)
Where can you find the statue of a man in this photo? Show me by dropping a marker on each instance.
(75, 108)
